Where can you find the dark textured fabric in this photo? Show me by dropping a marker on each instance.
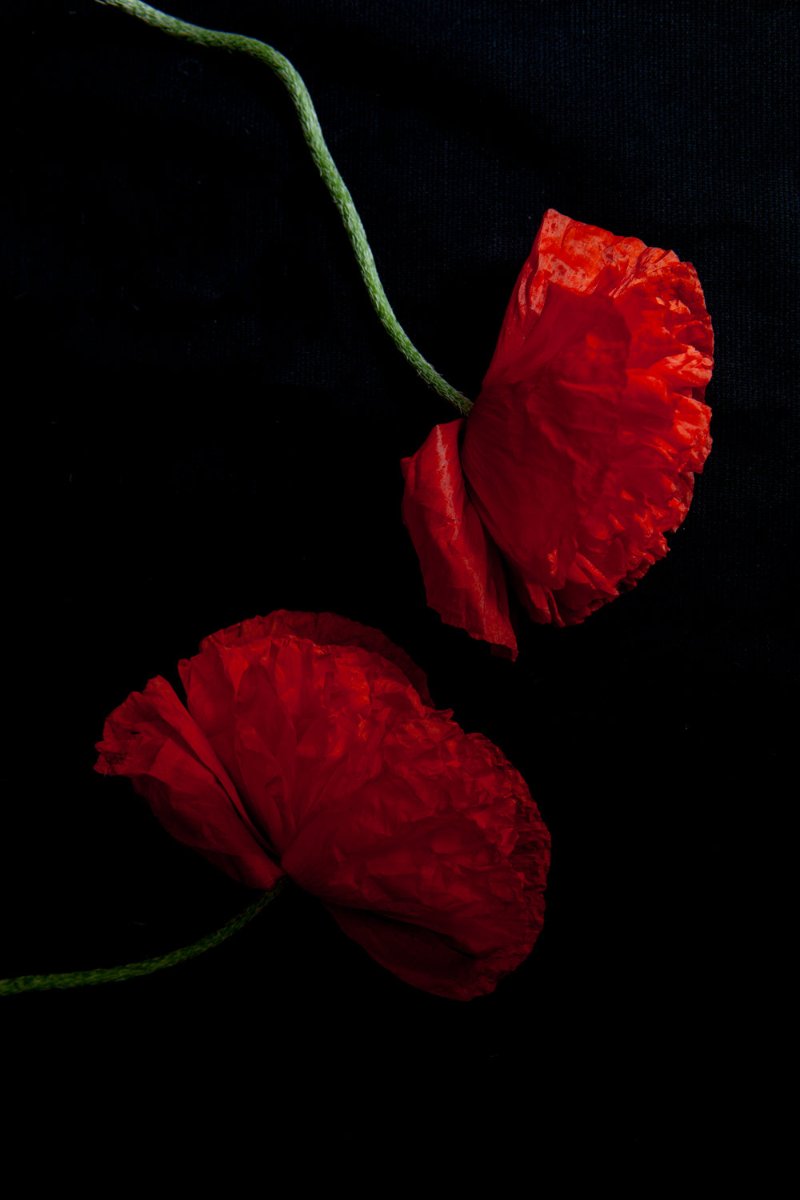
(211, 423)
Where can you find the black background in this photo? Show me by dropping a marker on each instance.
(210, 426)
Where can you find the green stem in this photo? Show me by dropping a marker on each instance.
(74, 979)
(325, 165)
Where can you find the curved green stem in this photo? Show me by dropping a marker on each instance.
(74, 979)
(325, 165)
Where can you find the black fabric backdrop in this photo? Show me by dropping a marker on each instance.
(210, 426)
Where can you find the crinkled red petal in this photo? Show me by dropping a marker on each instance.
(463, 572)
(444, 885)
(581, 450)
(152, 739)
(422, 840)
(326, 629)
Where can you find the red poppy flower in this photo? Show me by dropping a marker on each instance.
(308, 747)
(580, 451)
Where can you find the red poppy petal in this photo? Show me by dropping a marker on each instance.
(152, 739)
(580, 257)
(377, 803)
(263, 774)
(672, 338)
(441, 850)
(326, 629)
(327, 758)
(581, 448)
(426, 959)
(536, 445)
(464, 576)
(287, 717)
(338, 702)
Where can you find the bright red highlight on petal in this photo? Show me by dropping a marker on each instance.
(580, 452)
(308, 746)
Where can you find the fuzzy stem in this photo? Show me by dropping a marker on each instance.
(75, 979)
(321, 155)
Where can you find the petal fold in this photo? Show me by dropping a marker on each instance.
(152, 739)
(462, 569)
